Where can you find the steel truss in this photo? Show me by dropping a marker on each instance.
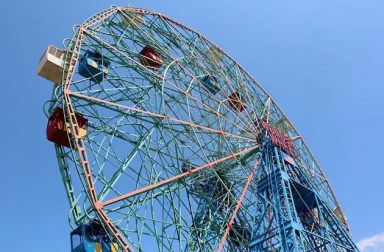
(167, 163)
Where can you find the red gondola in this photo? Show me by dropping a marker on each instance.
(150, 58)
(57, 129)
(237, 102)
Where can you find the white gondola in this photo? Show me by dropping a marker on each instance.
(215, 55)
(132, 19)
(51, 64)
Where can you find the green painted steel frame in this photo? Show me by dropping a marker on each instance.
(280, 226)
(157, 136)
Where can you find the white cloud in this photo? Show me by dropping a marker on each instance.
(372, 244)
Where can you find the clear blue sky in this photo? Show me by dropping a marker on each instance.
(321, 60)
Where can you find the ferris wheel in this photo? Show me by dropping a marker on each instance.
(165, 143)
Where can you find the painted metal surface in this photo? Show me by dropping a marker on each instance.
(291, 215)
(151, 114)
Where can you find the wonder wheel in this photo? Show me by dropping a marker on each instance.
(165, 143)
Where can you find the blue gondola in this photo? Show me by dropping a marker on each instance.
(93, 65)
(91, 237)
(210, 83)
(303, 197)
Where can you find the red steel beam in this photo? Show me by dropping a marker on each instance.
(169, 180)
(238, 205)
